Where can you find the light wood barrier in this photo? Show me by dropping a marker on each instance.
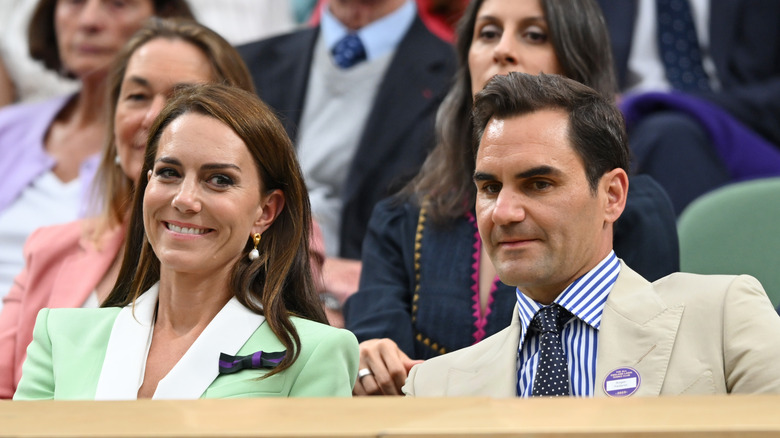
(717, 416)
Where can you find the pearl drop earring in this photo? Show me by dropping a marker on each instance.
(254, 254)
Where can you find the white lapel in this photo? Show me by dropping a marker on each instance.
(197, 369)
(128, 346)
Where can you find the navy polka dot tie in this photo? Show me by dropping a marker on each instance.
(678, 46)
(552, 372)
(349, 51)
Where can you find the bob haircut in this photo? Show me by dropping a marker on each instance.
(278, 283)
(113, 189)
(580, 39)
(42, 37)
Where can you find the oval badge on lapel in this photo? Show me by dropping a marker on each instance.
(622, 382)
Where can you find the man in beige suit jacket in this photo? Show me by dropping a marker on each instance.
(551, 182)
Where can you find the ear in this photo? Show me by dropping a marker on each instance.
(149, 175)
(615, 185)
(268, 211)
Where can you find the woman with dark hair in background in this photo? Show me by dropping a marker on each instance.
(49, 150)
(215, 296)
(426, 286)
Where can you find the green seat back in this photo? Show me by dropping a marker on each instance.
(735, 230)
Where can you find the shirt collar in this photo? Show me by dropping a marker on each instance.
(584, 298)
(379, 37)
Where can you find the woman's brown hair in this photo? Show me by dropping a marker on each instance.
(279, 283)
(580, 40)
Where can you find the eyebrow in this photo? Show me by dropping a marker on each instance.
(530, 173)
(218, 166)
(531, 19)
(207, 166)
(536, 171)
(138, 80)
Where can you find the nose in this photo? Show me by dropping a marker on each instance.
(157, 104)
(91, 15)
(508, 208)
(187, 198)
(505, 52)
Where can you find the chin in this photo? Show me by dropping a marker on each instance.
(513, 274)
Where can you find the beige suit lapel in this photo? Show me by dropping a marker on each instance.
(638, 331)
(490, 370)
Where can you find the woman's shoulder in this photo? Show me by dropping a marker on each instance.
(394, 214)
(56, 239)
(79, 313)
(64, 231)
(315, 332)
(396, 207)
(22, 113)
(68, 321)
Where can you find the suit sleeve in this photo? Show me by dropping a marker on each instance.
(752, 339)
(381, 308)
(331, 369)
(37, 381)
(10, 318)
(408, 388)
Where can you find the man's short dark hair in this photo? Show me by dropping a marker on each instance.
(596, 127)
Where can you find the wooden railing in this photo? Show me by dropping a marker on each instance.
(716, 416)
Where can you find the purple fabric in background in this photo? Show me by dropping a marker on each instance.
(745, 154)
(23, 158)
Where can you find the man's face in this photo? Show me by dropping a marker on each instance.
(355, 14)
(540, 222)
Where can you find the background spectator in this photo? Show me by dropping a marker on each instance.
(362, 127)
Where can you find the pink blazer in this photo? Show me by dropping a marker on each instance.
(62, 267)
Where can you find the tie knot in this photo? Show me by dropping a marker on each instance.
(349, 51)
(550, 319)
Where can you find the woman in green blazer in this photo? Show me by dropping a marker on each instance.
(215, 296)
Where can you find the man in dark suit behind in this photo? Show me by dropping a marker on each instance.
(739, 42)
(362, 127)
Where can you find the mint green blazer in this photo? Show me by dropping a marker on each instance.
(65, 359)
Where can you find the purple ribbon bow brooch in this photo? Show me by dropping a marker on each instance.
(231, 364)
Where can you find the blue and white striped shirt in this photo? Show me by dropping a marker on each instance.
(585, 299)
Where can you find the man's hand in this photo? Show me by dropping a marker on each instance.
(383, 368)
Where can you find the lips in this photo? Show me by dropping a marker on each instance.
(91, 48)
(514, 242)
